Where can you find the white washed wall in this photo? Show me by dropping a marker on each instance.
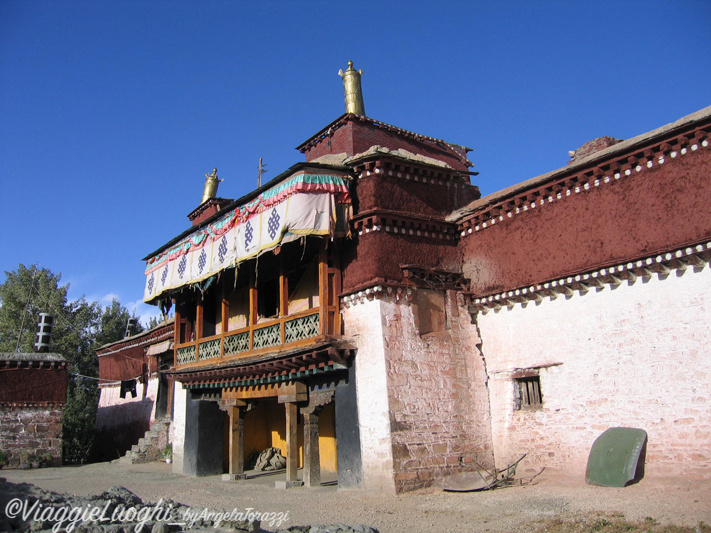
(177, 426)
(638, 356)
(363, 322)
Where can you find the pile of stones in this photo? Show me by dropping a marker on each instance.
(25, 507)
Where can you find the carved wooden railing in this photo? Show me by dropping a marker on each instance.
(284, 332)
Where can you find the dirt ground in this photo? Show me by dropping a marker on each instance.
(668, 501)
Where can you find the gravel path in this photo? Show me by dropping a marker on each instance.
(678, 501)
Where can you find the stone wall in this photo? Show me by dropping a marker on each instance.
(36, 430)
(177, 426)
(364, 324)
(423, 403)
(633, 356)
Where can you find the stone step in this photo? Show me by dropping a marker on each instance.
(149, 447)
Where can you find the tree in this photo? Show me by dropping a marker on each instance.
(79, 329)
(112, 325)
(153, 322)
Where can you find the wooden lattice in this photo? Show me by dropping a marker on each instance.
(185, 355)
(269, 336)
(209, 349)
(301, 328)
(237, 343)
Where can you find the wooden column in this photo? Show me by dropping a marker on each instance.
(292, 443)
(235, 410)
(224, 314)
(312, 458)
(236, 465)
(290, 395)
(312, 455)
(177, 325)
(198, 328)
(253, 305)
(323, 290)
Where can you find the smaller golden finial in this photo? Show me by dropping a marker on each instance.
(352, 90)
(211, 183)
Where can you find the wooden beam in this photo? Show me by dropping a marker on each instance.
(293, 392)
(286, 392)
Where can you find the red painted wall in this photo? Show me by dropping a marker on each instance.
(355, 137)
(407, 196)
(657, 209)
(33, 385)
(125, 359)
(377, 256)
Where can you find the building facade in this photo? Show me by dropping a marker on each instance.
(133, 389)
(367, 313)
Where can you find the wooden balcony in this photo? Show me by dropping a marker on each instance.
(292, 331)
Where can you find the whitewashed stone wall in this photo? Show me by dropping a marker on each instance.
(364, 323)
(637, 356)
(177, 426)
(439, 406)
(422, 399)
(111, 396)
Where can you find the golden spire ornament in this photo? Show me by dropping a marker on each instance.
(211, 183)
(352, 90)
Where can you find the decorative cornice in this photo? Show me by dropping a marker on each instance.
(377, 292)
(575, 182)
(381, 164)
(402, 224)
(24, 364)
(36, 405)
(677, 260)
(434, 278)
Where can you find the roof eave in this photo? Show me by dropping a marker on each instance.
(591, 160)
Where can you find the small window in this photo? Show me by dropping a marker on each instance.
(527, 393)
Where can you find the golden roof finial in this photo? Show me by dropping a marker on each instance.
(352, 90)
(211, 183)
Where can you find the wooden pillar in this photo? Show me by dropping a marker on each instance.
(312, 455)
(312, 458)
(177, 325)
(198, 328)
(292, 443)
(224, 314)
(235, 409)
(323, 290)
(253, 305)
(236, 465)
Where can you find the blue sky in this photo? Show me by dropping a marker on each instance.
(112, 112)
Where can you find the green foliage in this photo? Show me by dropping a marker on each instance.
(112, 324)
(153, 322)
(167, 452)
(79, 329)
(4, 459)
